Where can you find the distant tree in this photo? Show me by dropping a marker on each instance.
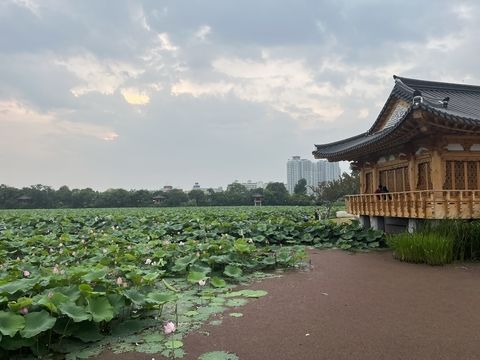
(175, 197)
(84, 198)
(237, 194)
(197, 197)
(63, 197)
(300, 187)
(276, 194)
(329, 192)
(141, 198)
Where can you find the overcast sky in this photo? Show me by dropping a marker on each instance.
(141, 94)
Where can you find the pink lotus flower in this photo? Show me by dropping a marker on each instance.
(169, 328)
(26, 273)
(119, 281)
(23, 311)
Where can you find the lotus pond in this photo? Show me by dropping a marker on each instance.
(76, 282)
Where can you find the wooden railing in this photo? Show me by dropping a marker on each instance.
(430, 204)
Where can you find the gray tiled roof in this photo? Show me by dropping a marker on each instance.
(463, 107)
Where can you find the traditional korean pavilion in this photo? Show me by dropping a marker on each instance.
(424, 147)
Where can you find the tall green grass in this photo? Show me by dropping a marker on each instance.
(422, 247)
(439, 242)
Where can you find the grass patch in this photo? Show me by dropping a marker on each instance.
(423, 247)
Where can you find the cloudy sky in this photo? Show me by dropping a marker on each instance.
(140, 94)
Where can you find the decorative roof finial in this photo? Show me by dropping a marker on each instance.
(417, 97)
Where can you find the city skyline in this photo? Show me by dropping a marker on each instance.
(140, 94)
(314, 172)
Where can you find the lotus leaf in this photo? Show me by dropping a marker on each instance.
(160, 298)
(74, 312)
(233, 271)
(10, 323)
(37, 322)
(217, 282)
(100, 308)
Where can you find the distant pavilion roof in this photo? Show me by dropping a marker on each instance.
(457, 104)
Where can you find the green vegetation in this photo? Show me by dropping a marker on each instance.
(439, 243)
(422, 247)
(275, 193)
(80, 280)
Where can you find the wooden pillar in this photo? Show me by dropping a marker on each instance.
(437, 171)
(375, 177)
(411, 173)
(362, 181)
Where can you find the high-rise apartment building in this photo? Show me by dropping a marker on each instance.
(313, 172)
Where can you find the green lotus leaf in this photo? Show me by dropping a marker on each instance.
(37, 322)
(160, 298)
(85, 289)
(52, 300)
(200, 267)
(217, 282)
(74, 312)
(21, 302)
(151, 276)
(236, 302)
(253, 293)
(269, 260)
(182, 263)
(135, 296)
(195, 276)
(95, 275)
(218, 355)
(100, 309)
(10, 323)
(16, 342)
(117, 301)
(232, 271)
(174, 344)
(87, 331)
(23, 285)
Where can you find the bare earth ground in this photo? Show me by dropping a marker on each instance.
(362, 306)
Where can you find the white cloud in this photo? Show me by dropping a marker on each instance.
(15, 112)
(200, 89)
(165, 43)
(203, 32)
(135, 96)
(285, 85)
(103, 76)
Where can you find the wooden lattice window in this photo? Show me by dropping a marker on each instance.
(447, 185)
(471, 175)
(396, 180)
(459, 175)
(424, 176)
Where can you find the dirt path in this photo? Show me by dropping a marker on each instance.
(363, 306)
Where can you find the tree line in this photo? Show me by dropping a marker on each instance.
(46, 197)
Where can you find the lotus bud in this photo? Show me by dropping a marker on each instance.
(119, 281)
(169, 328)
(23, 311)
(148, 261)
(202, 282)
